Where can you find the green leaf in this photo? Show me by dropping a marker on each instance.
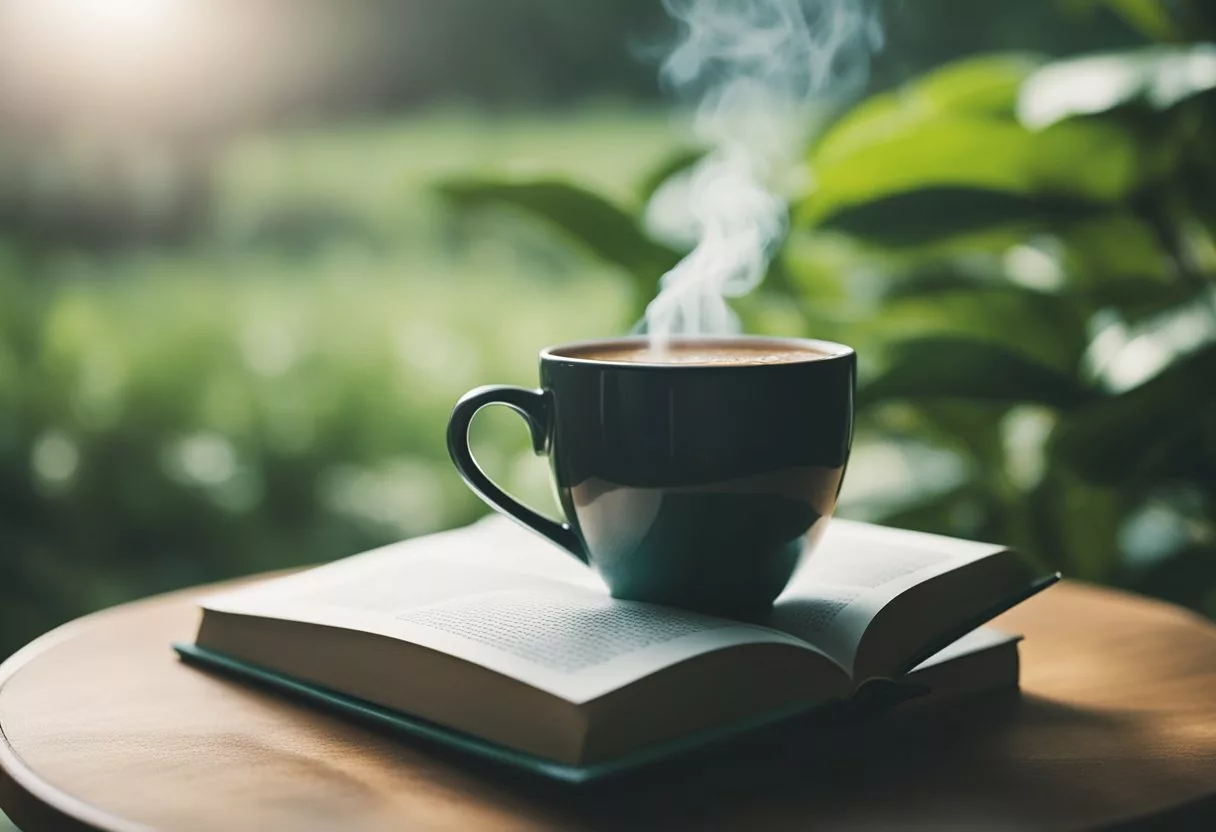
(1113, 246)
(1156, 77)
(1139, 298)
(1046, 328)
(1085, 161)
(963, 368)
(985, 86)
(1134, 434)
(927, 215)
(1150, 17)
(1078, 524)
(938, 278)
(969, 428)
(600, 226)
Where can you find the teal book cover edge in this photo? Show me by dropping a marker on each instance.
(867, 700)
(420, 728)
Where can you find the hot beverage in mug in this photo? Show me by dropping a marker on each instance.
(730, 352)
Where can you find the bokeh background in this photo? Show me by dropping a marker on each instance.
(251, 251)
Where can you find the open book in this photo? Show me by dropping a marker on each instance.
(491, 638)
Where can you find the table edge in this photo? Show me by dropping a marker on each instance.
(24, 795)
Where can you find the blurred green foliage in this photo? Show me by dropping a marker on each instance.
(253, 426)
(277, 393)
(1023, 250)
(233, 351)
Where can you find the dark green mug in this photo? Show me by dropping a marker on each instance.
(699, 485)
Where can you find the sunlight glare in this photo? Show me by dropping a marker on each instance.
(127, 19)
(123, 32)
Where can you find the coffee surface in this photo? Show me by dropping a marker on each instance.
(730, 353)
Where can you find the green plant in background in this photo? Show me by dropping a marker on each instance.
(277, 395)
(604, 228)
(1045, 234)
(1024, 253)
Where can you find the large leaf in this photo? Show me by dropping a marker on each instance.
(603, 228)
(1077, 524)
(928, 215)
(1046, 328)
(963, 368)
(970, 428)
(982, 84)
(1114, 246)
(1139, 298)
(1085, 161)
(940, 278)
(986, 85)
(1117, 261)
(1143, 432)
(1156, 77)
(1151, 17)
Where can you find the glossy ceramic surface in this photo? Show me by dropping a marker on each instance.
(689, 485)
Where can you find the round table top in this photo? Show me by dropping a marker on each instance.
(102, 727)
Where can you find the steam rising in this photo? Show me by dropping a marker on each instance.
(754, 66)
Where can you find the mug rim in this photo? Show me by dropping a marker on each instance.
(829, 351)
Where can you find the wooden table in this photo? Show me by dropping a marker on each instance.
(103, 728)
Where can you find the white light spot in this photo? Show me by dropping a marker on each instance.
(269, 348)
(1095, 84)
(1033, 267)
(403, 496)
(1152, 533)
(1091, 85)
(1139, 360)
(890, 474)
(1122, 358)
(1024, 433)
(55, 459)
(206, 459)
(94, 40)
(438, 354)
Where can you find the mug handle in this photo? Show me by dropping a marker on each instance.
(534, 407)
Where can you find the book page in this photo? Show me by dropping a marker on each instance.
(976, 641)
(855, 571)
(547, 622)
